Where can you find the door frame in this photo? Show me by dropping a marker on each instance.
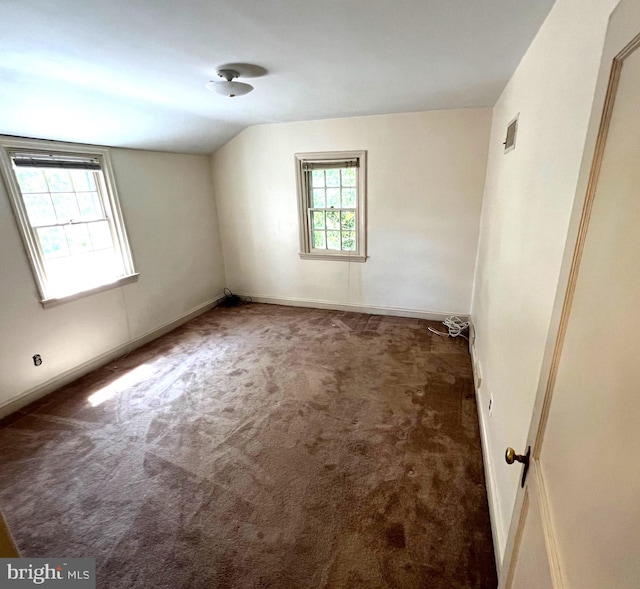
(621, 40)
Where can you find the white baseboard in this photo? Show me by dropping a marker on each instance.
(55, 383)
(371, 309)
(494, 508)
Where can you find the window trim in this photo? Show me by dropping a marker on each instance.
(9, 145)
(306, 251)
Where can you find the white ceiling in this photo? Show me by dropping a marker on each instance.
(131, 73)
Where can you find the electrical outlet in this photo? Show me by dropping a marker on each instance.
(37, 360)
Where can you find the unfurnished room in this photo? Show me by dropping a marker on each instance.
(319, 295)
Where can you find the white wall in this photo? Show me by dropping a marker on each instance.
(171, 221)
(526, 210)
(425, 182)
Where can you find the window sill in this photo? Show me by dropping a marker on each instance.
(52, 302)
(334, 257)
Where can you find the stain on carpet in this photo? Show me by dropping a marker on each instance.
(261, 447)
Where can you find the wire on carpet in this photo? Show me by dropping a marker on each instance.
(456, 326)
(233, 300)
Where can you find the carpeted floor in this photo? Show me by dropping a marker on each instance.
(261, 447)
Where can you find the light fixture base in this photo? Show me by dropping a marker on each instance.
(228, 75)
(228, 87)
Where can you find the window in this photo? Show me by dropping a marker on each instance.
(331, 204)
(65, 202)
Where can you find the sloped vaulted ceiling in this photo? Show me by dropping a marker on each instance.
(132, 74)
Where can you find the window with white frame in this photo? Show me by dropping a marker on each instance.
(64, 199)
(331, 205)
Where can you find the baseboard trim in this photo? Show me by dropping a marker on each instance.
(371, 309)
(72, 374)
(494, 509)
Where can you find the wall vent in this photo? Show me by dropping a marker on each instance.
(512, 131)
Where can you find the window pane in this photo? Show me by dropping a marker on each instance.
(53, 242)
(333, 219)
(348, 220)
(333, 197)
(89, 205)
(40, 209)
(319, 241)
(58, 180)
(76, 273)
(100, 235)
(78, 238)
(31, 180)
(318, 220)
(83, 180)
(333, 177)
(348, 198)
(348, 176)
(66, 206)
(333, 240)
(318, 198)
(349, 241)
(317, 178)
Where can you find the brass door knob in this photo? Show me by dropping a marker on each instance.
(510, 456)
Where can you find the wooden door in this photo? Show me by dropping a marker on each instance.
(576, 524)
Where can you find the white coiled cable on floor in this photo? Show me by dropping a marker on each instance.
(455, 325)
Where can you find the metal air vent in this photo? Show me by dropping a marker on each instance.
(512, 131)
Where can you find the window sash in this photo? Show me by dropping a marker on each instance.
(340, 230)
(101, 189)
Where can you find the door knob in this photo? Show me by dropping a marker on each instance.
(510, 456)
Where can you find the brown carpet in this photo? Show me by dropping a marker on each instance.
(261, 447)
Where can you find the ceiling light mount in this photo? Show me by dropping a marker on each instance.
(228, 75)
(229, 87)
